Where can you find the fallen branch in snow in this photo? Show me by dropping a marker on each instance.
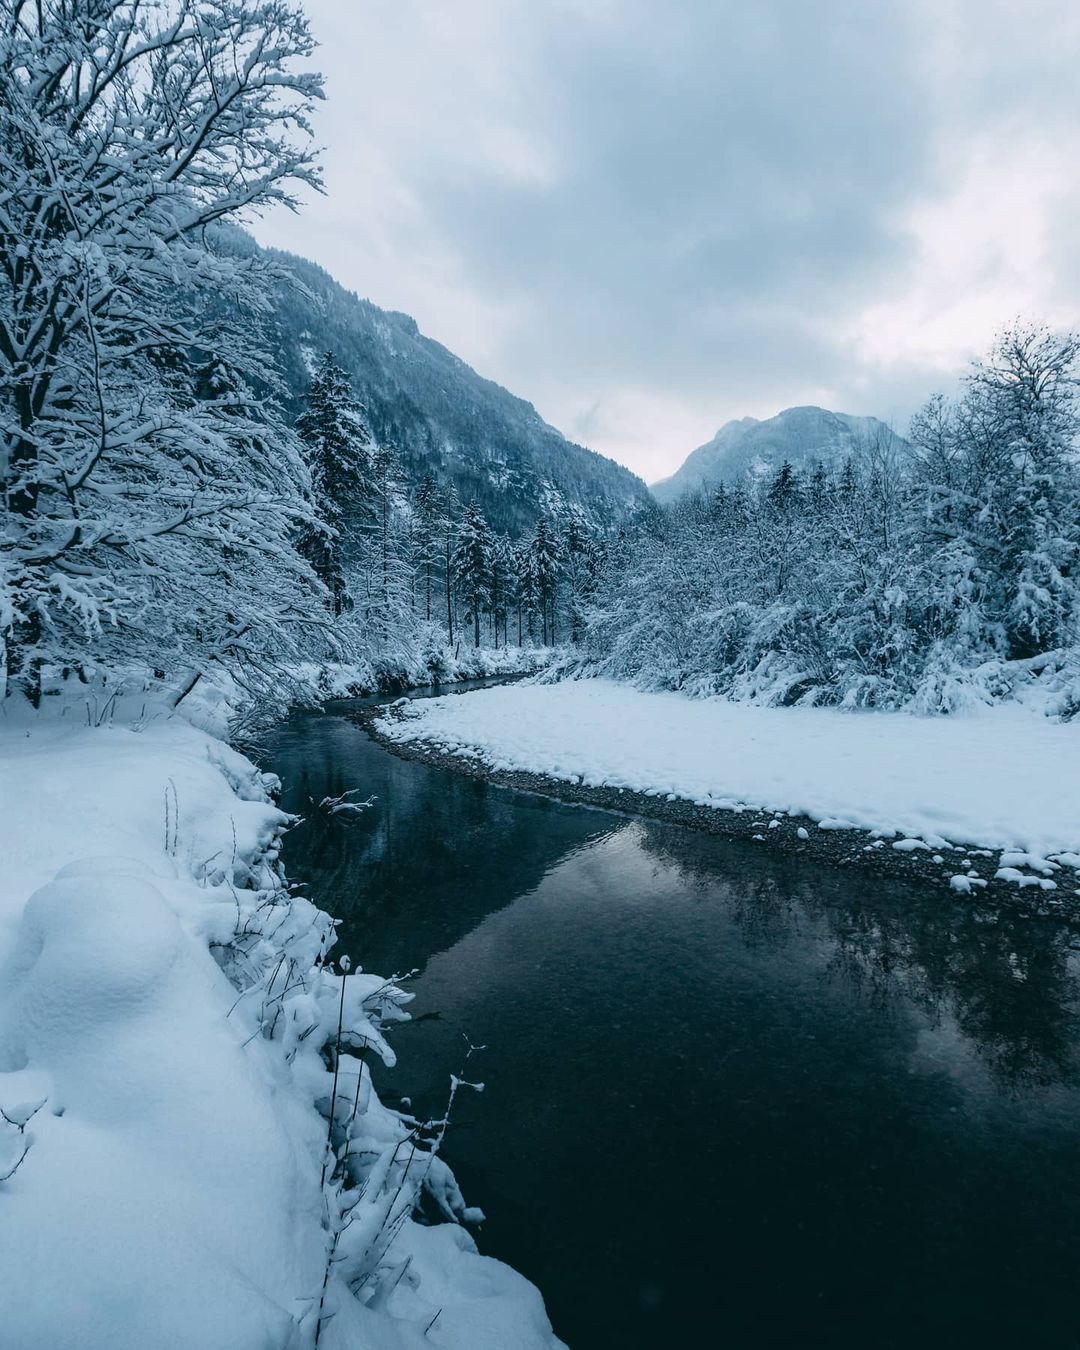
(340, 805)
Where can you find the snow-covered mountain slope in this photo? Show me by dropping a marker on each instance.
(441, 416)
(747, 446)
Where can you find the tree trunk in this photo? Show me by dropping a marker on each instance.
(449, 598)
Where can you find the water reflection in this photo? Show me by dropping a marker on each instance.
(1008, 980)
(730, 1098)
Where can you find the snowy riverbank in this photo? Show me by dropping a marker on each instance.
(166, 1025)
(442, 665)
(1005, 780)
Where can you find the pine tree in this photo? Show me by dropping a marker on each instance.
(386, 557)
(503, 585)
(818, 489)
(472, 564)
(579, 556)
(339, 448)
(524, 591)
(451, 510)
(785, 490)
(429, 528)
(544, 569)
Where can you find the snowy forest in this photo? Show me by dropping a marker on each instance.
(412, 564)
(168, 507)
(163, 511)
(933, 574)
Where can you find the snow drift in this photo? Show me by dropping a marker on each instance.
(192, 1152)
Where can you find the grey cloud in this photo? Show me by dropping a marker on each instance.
(723, 183)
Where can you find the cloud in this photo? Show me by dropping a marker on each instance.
(651, 217)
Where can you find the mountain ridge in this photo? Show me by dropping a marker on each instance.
(751, 447)
(440, 414)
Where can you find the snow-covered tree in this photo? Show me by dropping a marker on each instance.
(448, 520)
(525, 598)
(784, 493)
(472, 564)
(389, 570)
(339, 450)
(930, 579)
(579, 559)
(544, 568)
(501, 585)
(148, 514)
(428, 534)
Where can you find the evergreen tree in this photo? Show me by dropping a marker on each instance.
(525, 601)
(451, 510)
(818, 488)
(472, 564)
(544, 570)
(427, 549)
(579, 558)
(501, 585)
(339, 450)
(785, 491)
(385, 557)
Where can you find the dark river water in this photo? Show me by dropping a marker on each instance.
(731, 1099)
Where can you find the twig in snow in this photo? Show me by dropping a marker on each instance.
(334, 806)
(344, 964)
(6, 1176)
(20, 1125)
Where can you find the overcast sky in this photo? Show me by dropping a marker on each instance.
(649, 217)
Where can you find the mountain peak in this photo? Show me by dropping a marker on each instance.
(749, 448)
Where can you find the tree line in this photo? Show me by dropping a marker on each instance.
(160, 510)
(930, 576)
(393, 554)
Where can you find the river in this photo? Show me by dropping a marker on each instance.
(731, 1098)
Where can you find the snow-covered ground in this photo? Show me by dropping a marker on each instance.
(163, 1083)
(442, 665)
(1005, 778)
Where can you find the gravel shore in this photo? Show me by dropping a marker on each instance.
(793, 835)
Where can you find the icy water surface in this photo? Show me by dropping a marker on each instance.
(731, 1100)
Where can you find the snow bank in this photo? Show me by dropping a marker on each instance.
(167, 1023)
(435, 663)
(1003, 778)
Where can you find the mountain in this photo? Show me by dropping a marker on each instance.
(748, 447)
(440, 415)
